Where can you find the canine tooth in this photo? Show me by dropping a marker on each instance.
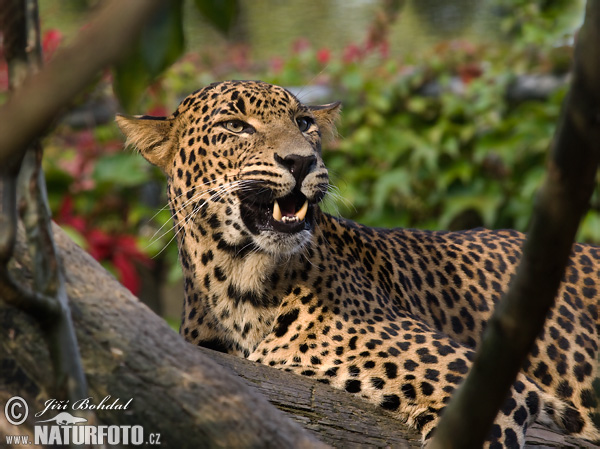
(276, 211)
(302, 212)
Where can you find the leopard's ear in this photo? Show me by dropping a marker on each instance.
(152, 136)
(326, 116)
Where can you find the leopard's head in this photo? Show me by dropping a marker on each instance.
(243, 162)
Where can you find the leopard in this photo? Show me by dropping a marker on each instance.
(392, 316)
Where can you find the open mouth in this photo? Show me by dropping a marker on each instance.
(288, 211)
(289, 214)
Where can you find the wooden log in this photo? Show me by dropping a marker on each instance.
(189, 395)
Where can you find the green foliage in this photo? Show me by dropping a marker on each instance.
(428, 141)
(161, 43)
(538, 22)
(120, 169)
(159, 46)
(100, 195)
(221, 13)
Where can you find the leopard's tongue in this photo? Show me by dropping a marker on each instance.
(286, 211)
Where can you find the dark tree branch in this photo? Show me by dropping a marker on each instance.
(49, 289)
(21, 35)
(47, 302)
(32, 109)
(558, 209)
(32, 106)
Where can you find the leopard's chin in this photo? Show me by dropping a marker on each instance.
(282, 245)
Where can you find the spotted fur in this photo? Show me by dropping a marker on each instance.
(391, 315)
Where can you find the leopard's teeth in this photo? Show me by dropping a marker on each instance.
(298, 216)
(276, 211)
(302, 212)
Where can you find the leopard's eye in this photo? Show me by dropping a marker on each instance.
(237, 126)
(304, 123)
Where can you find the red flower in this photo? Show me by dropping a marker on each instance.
(86, 143)
(128, 275)
(239, 56)
(276, 64)
(158, 111)
(323, 56)
(3, 67)
(125, 254)
(384, 49)
(352, 53)
(120, 250)
(3, 76)
(101, 244)
(469, 71)
(50, 42)
(301, 44)
(65, 216)
(82, 165)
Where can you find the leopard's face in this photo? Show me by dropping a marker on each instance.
(244, 164)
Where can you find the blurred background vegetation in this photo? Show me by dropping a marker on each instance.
(449, 108)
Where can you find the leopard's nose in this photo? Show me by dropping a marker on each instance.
(298, 166)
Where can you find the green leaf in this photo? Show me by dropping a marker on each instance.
(173, 322)
(395, 182)
(485, 204)
(130, 81)
(460, 170)
(75, 235)
(221, 13)
(162, 40)
(122, 169)
(589, 231)
(175, 274)
(160, 44)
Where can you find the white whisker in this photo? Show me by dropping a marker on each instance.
(216, 194)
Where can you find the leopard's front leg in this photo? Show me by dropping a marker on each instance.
(411, 372)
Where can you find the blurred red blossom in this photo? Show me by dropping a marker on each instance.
(81, 166)
(120, 250)
(300, 45)
(239, 56)
(3, 68)
(276, 64)
(469, 71)
(352, 53)
(50, 42)
(324, 56)
(66, 216)
(158, 110)
(381, 44)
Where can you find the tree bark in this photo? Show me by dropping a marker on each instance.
(187, 394)
(41, 98)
